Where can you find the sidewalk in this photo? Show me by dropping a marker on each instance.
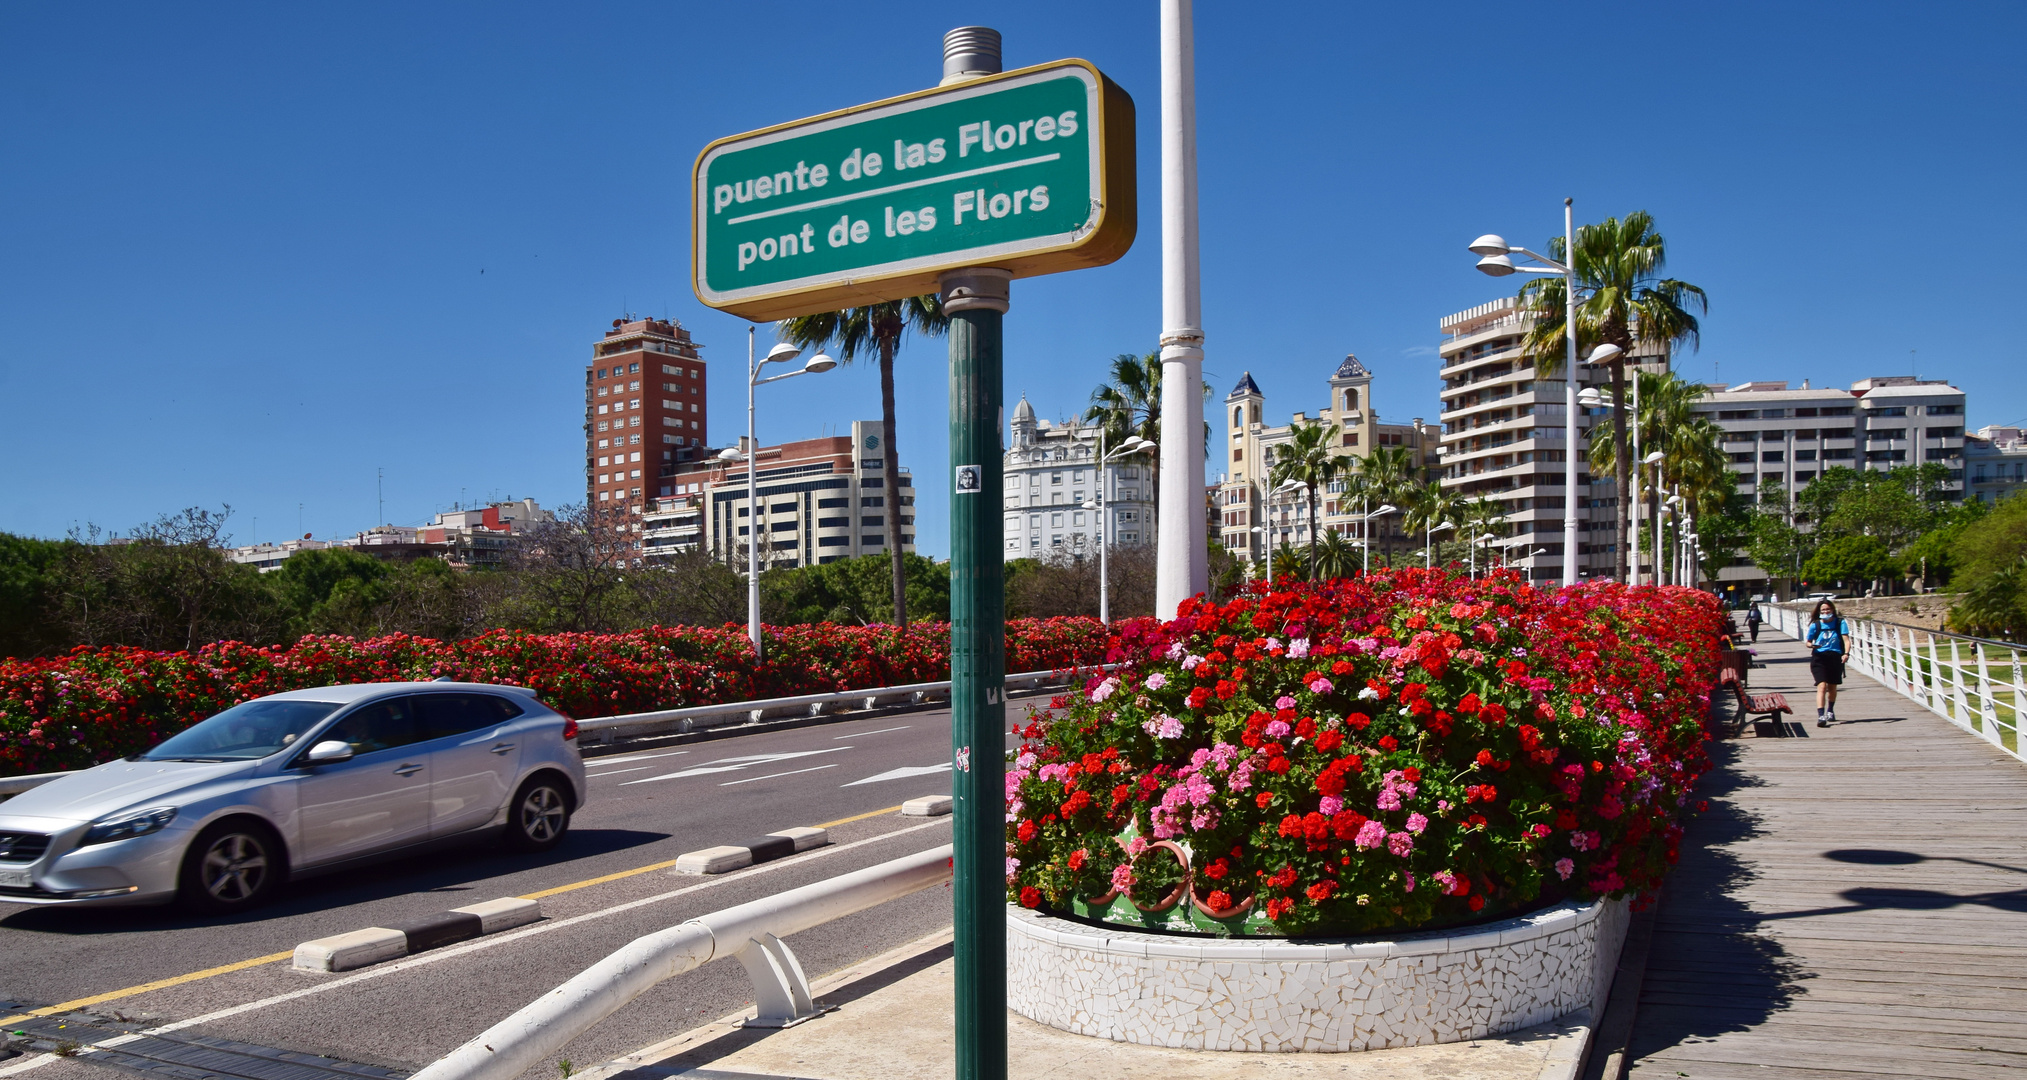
(1854, 903)
(893, 1022)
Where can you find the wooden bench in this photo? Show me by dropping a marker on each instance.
(1754, 707)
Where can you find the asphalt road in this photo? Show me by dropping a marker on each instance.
(647, 806)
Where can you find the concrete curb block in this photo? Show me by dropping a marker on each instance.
(378, 944)
(760, 849)
(927, 806)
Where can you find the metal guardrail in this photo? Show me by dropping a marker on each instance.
(705, 717)
(1964, 680)
(751, 932)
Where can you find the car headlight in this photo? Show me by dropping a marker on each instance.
(128, 826)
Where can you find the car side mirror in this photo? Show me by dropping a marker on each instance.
(328, 752)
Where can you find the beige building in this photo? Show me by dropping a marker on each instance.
(1050, 471)
(1995, 463)
(1241, 499)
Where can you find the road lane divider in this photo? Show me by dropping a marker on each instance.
(760, 849)
(378, 944)
(927, 806)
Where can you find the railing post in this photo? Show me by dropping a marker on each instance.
(1988, 709)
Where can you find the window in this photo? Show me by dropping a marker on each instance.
(1804, 476)
(603, 461)
(1896, 410)
(1351, 438)
(1772, 455)
(1885, 434)
(1805, 412)
(1805, 455)
(1056, 540)
(382, 725)
(630, 369)
(1351, 400)
(1056, 521)
(873, 500)
(833, 541)
(1055, 478)
(1945, 410)
(1034, 479)
(873, 521)
(445, 715)
(601, 374)
(833, 504)
(1078, 518)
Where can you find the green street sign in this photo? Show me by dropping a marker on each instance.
(1030, 171)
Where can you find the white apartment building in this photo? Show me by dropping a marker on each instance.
(1504, 439)
(821, 500)
(266, 557)
(1240, 502)
(1050, 471)
(1995, 463)
(1790, 437)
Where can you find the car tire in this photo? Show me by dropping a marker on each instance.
(539, 815)
(231, 866)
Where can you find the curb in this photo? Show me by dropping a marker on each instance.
(727, 857)
(376, 944)
(928, 806)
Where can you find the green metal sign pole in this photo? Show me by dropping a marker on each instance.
(977, 302)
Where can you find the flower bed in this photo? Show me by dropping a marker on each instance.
(1400, 751)
(96, 704)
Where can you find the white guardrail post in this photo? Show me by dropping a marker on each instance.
(752, 932)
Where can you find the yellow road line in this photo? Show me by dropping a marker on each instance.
(158, 984)
(273, 958)
(587, 883)
(857, 817)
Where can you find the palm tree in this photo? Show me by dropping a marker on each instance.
(1431, 506)
(854, 331)
(1479, 517)
(1306, 459)
(1336, 556)
(1692, 448)
(1129, 404)
(1388, 476)
(1622, 301)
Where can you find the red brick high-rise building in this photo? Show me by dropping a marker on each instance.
(644, 411)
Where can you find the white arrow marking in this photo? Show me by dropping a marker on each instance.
(901, 773)
(770, 776)
(733, 764)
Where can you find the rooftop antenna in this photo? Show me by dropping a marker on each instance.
(380, 492)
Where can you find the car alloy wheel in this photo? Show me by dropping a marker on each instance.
(541, 815)
(234, 869)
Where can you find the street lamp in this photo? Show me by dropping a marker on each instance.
(1497, 261)
(1365, 534)
(1475, 541)
(1429, 542)
(1134, 444)
(1591, 398)
(780, 354)
(1266, 526)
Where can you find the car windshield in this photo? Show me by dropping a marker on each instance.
(252, 729)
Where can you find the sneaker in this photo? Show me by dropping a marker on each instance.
(1820, 722)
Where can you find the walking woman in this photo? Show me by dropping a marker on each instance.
(1827, 645)
(1753, 619)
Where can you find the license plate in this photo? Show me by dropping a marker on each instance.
(15, 879)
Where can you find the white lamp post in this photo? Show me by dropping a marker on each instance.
(1429, 542)
(1365, 533)
(780, 354)
(1475, 541)
(1497, 261)
(1133, 445)
(1266, 528)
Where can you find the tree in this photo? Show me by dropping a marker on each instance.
(1848, 559)
(1995, 541)
(306, 580)
(569, 571)
(1431, 507)
(1932, 555)
(28, 579)
(853, 591)
(879, 327)
(1337, 557)
(688, 588)
(1306, 459)
(1772, 541)
(1623, 301)
(167, 585)
(1387, 475)
(1996, 604)
(1128, 403)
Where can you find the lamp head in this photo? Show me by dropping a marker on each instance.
(1652, 459)
(1489, 244)
(731, 453)
(1388, 508)
(1088, 504)
(1605, 354)
(782, 353)
(818, 364)
(1495, 266)
(1589, 398)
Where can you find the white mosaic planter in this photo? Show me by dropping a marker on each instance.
(1265, 995)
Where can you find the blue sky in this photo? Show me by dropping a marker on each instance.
(241, 246)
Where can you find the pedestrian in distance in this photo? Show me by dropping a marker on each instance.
(1828, 644)
(1753, 618)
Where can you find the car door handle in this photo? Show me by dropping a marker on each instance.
(409, 769)
(501, 748)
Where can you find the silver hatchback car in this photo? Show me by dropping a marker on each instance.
(219, 814)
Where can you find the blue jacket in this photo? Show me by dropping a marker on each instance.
(1828, 636)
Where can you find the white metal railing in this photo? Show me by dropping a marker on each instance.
(751, 932)
(1971, 682)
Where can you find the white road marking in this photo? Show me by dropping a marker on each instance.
(616, 772)
(770, 776)
(902, 773)
(439, 955)
(734, 764)
(882, 731)
(596, 762)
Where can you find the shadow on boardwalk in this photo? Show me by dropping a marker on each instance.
(1852, 905)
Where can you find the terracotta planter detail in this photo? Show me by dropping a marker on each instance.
(1203, 904)
(1176, 894)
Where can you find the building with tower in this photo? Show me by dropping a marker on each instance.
(1051, 472)
(1242, 499)
(645, 412)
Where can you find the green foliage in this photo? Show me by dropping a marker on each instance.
(1337, 556)
(1848, 561)
(28, 594)
(1307, 459)
(1995, 541)
(853, 591)
(1996, 604)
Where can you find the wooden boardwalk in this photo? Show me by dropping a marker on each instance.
(1853, 905)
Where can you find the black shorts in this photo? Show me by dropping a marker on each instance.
(1826, 667)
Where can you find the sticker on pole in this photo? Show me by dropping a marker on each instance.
(1031, 171)
(970, 479)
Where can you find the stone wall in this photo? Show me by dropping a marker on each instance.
(1928, 611)
(1266, 995)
